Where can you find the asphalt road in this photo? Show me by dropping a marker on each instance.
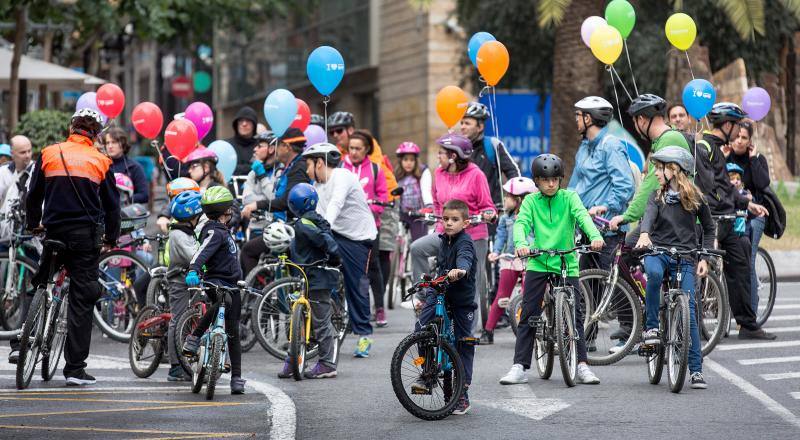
(754, 392)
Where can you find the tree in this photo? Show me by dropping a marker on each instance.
(44, 127)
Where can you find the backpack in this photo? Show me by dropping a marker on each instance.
(776, 220)
(490, 145)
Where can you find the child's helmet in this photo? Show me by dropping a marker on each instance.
(302, 198)
(216, 200)
(676, 155)
(407, 148)
(278, 236)
(124, 183)
(180, 185)
(734, 168)
(186, 205)
(200, 153)
(547, 165)
(519, 186)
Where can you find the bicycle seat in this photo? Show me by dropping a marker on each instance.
(55, 245)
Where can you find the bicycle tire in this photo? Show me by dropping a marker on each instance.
(29, 349)
(141, 338)
(57, 336)
(712, 312)
(483, 295)
(514, 312)
(679, 342)
(199, 371)
(130, 304)
(273, 315)
(155, 288)
(247, 332)
(655, 361)
(543, 345)
(390, 287)
(185, 325)
(340, 318)
(10, 319)
(762, 315)
(566, 337)
(456, 380)
(216, 347)
(297, 341)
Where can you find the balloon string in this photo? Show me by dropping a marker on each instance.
(624, 89)
(694, 141)
(616, 97)
(493, 115)
(628, 57)
(154, 144)
(689, 62)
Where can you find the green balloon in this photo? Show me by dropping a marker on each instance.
(620, 14)
(202, 82)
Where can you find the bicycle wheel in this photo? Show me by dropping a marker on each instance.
(187, 322)
(13, 284)
(415, 359)
(216, 349)
(297, 341)
(612, 315)
(31, 340)
(712, 311)
(515, 312)
(655, 359)
(678, 342)
(57, 337)
(115, 311)
(271, 317)
(483, 294)
(199, 370)
(543, 344)
(767, 285)
(391, 294)
(146, 347)
(566, 336)
(157, 291)
(340, 317)
(247, 333)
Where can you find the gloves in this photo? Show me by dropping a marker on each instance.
(192, 279)
(258, 168)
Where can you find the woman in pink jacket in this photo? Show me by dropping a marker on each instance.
(373, 182)
(458, 178)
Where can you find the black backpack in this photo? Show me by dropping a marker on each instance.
(776, 220)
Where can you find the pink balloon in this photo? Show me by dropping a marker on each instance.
(588, 26)
(756, 103)
(315, 135)
(201, 116)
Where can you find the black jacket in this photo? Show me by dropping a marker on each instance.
(489, 167)
(458, 252)
(244, 145)
(670, 225)
(312, 242)
(132, 169)
(296, 173)
(756, 174)
(218, 254)
(712, 178)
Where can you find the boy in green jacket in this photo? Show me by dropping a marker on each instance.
(552, 213)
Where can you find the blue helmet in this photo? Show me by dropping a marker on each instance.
(5, 150)
(302, 198)
(734, 168)
(186, 205)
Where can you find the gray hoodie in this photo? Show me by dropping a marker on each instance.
(182, 246)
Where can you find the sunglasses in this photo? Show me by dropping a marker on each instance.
(337, 130)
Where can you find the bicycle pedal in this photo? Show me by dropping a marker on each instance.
(470, 341)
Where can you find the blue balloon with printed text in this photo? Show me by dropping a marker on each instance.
(698, 97)
(325, 69)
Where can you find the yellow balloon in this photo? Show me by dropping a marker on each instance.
(606, 44)
(681, 30)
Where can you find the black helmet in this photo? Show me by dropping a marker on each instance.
(317, 120)
(647, 105)
(725, 111)
(547, 165)
(341, 119)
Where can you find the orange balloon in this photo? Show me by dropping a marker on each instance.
(492, 61)
(451, 104)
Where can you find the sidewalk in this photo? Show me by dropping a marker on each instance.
(787, 265)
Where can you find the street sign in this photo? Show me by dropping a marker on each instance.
(181, 87)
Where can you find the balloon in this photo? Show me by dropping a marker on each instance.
(451, 104)
(681, 30)
(180, 137)
(303, 116)
(588, 27)
(606, 44)
(620, 15)
(280, 107)
(475, 43)
(201, 116)
(315, 135)
(756, 103)
(698, 97)
(325, 69)
(492, 61)
(226, 157)
(147, 119)
(110, 100)
(89, 100)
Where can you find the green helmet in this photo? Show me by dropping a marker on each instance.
(216, 200)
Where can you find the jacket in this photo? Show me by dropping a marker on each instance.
(257, 189)
(670, 225)
(181, 247)
(756, 173)
(13, 189)
(218, 254)
(377, 157)
(132, 169)
(504, 237)
(287, 178)
(374, 186)
(313, 241)
(712, 178)
(458, 252)
(470, 186)
(554, 219)
(88, 198)
(243, 145)
(489, 167)
(343, 204)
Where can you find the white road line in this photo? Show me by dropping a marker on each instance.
(772, 360)
(778, 344)
(795, 395)
(783, 318)
(773, 330)
(779, 376)
(752, 391)
(785, 306)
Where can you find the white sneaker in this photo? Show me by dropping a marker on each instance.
(515, 375)
(585, 375)
(616, 348)
(651, 337)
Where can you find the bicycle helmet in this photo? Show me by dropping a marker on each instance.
(200, 153)
(477, 111)
(647, 105)
(266, 136)
(519, 186)
(457, 143)
(725, 111)
(186, 205)
(407, 148)
(734, 168)
(601, 110)
(326, 151)
(341, 119)
(124, 183)
(676, 155)
(317, 120)
(5, 150)
(278, 237)
(547, 165)
(180, 185)
(87, 122)
(302, 198)
(216, 200)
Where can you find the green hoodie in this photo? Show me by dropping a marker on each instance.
(553, 220)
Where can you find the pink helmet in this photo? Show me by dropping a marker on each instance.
(519, 186)
(124, 183)
(200, 153)
(407, 148)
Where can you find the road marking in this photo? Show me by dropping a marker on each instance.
(774, 330)
(752, 391)
(785, 306)
(523, 402)
(95, 411)
(795, 395)
(282, 410)
(783, 318)
(779, 376)
(133, 431)
(772, 360)
(778, 344)
(160, 402)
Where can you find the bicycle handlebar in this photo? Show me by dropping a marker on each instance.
(673, 252)
(438, 283)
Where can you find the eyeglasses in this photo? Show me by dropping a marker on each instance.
(337, 130)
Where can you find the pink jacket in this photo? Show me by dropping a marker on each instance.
(374, 186)
(469, 186)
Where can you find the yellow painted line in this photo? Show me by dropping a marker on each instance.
(95, 411)
(165, 402)
(184, 434)
(74, 393)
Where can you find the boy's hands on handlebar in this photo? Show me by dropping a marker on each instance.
(702, 268)
(456, 274)
(597, 245)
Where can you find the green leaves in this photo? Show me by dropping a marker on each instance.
(746, 16)
(551, 12)
(44, 127)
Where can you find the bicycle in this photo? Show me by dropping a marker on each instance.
(17, 268)
(148, 342)
(766, 285)
(45, 329)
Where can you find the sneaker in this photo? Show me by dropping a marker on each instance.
(756, 334)
(514, 376)
(463, 405)
(420, 387)
(616, 348)
(362, 347)
(320, 371)
(79, 378)
(13, 357)
(585, 375)
(698, 382)
(286, 372)
(487, 337)
(237, 385)
(380, 317)
(178, 374)
(191, 345)
(651, 337)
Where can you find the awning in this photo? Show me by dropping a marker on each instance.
(38, 72)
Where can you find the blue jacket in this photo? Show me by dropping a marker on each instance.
(458, 252)
(602, 174)
(218, 253)
(312, 242)
(504, 237)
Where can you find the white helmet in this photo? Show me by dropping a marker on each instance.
(599, 108)
(278, 236)
(324, 150)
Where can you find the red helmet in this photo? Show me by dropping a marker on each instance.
(407, 148)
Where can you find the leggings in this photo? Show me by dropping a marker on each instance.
(508, 279)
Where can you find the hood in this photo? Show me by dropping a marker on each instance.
(318, 220)
(245, 113)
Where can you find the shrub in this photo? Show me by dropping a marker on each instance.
(44, 127)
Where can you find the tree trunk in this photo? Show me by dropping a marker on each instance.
(21, 19)
(47, 52)
(576, 74)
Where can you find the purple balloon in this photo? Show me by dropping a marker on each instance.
(756, 103)
(201, 116)
(89, 100)
(315, 135)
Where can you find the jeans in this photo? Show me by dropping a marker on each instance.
(463, 322)
(655, 266)
(755, 231)
(355, 256)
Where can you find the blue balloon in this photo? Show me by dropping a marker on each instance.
(226, 157)
(325, 69)
(475, 44)
(698, 97)
(280, 108)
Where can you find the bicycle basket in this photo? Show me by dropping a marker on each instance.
(133, 217)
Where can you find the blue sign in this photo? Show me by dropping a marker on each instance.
(523, 123)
